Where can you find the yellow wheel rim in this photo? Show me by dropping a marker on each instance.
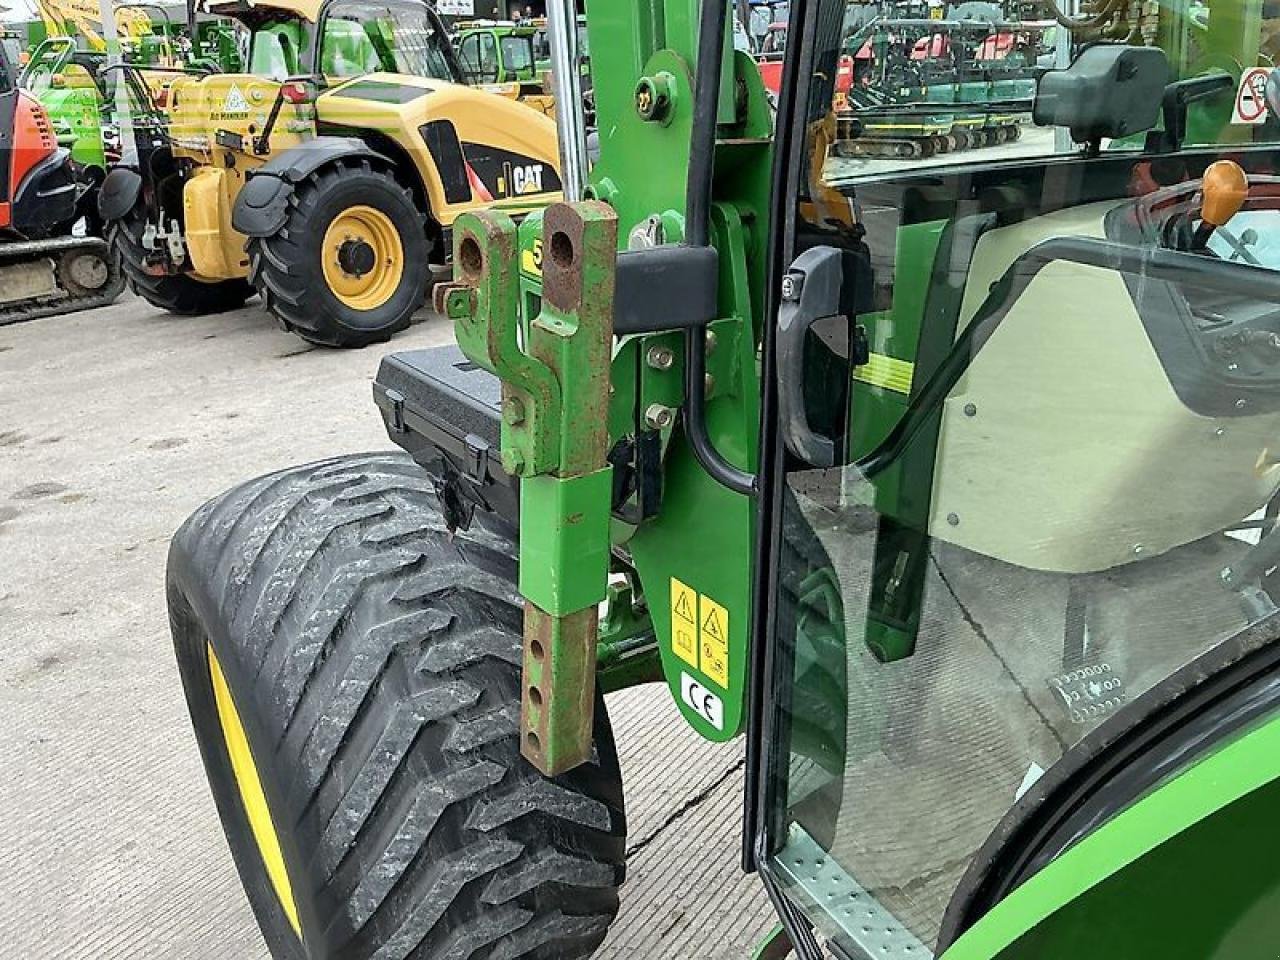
(362, 258)
(251, 793)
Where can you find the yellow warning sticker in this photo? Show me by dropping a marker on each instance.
(684, 622)
(713, 640)
(531, 259)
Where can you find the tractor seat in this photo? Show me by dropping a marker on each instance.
(446, 412)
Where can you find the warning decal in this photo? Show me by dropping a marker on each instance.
(235, 103)
(684, 622)
(1251, 98)
(713, 637)
(700, 632)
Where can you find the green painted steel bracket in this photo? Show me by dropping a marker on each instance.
(555, 414)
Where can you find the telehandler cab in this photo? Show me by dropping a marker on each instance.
(328, 177)
(950, 483)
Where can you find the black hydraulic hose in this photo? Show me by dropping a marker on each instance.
(697, 233)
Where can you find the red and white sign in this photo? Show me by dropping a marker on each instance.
(1251, 98)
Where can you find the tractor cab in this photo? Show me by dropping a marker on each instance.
(497, 52)
(336, 41)
(1022, 584)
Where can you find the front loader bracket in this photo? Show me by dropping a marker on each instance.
(554, 369)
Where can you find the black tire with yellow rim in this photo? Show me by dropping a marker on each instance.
(349, 267)
(179, 293)
(353, 676)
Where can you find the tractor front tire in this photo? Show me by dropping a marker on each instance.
(174, 293)
(349, 267)
(353, 675)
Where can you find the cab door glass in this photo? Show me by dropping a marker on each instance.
(1032, 466)
(488, 58)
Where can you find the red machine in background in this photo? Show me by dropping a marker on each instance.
(44, 267)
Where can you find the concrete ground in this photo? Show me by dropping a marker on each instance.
(114, 425)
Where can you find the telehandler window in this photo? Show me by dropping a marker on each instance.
(367, 37)
(1031, 486)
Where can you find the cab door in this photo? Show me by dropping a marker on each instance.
(1020, 540)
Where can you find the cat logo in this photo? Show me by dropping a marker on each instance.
(527, 179)
(235, 102)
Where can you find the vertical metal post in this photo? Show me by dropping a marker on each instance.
(1061, 60)
(123, 112)
(571, 128)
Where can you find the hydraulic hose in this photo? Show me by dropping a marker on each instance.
(697, 233)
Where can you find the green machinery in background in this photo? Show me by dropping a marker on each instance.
(950, 483)
(66, 72)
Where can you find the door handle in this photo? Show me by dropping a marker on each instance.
(811, 291)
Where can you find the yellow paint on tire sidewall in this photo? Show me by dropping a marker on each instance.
(252, 796)
(363, 224)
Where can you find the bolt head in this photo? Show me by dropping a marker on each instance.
(791, 286)
(953, 519)
(660, 358)
(658, 416)
(513, 411)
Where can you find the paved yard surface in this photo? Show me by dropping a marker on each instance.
(114, 425)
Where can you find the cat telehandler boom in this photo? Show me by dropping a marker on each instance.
(327, 177)
(950, 483)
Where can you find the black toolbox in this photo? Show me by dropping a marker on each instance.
(446, 412)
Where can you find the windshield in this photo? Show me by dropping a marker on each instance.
(1047, 399)
(517, 54)
(370, 37)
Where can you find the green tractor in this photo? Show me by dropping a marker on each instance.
(951, 485)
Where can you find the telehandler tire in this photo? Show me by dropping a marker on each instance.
(349, 267)
(353, 676)
(179, 294)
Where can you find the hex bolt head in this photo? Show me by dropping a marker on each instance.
(513, 411)
(712, 341)
(660, 358)
(792, 284)
(658, 416)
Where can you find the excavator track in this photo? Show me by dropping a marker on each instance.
(41, 278)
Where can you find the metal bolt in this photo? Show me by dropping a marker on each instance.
(953, 519)
(1241, 403)
(1220, 432)
(658, 416)
(513, 412)
(970, 410)
(1138, 549)
(660, 358)
(792, 284)
(712, 340)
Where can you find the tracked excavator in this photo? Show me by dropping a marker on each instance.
(44, 268)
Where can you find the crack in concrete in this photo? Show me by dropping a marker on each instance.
(681, 811)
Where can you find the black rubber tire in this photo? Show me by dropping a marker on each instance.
(286, 267)
(178, 293)
(374, 661)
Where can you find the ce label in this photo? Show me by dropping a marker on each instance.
(702, 701)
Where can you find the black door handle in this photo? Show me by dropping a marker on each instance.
(811, 290)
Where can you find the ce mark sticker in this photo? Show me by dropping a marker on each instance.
(702, 701)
